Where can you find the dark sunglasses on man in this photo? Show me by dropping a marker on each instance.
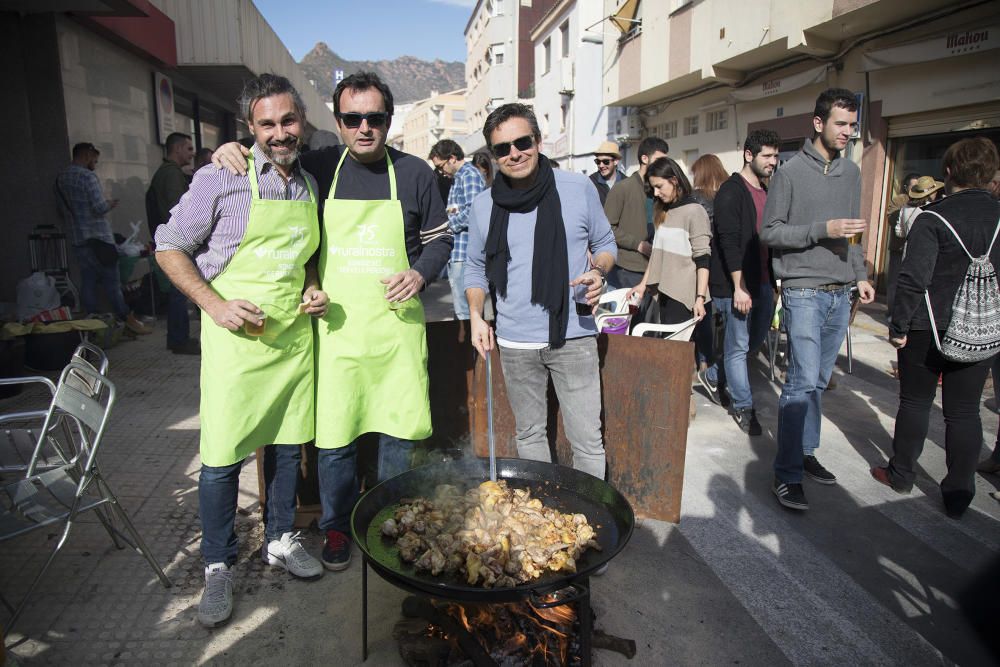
(353, 120)
(521, 143)
(603, 161)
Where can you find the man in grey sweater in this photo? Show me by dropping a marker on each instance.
(811, 221)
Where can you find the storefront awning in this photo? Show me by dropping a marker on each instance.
(624, 19)
(957, 43)
(780, 85)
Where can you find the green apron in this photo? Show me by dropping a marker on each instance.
(371, 361)
(258, 390)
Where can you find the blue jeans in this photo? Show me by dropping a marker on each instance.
(576, 377)
(218, 488)
(93, 272)
(178, 320)
(456, 277)
(338, 477)
(619, 277)
(743, 333)
(816, 322)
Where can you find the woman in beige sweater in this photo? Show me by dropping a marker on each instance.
(678, 265)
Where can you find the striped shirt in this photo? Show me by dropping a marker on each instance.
(468, 183)
(210, 220)
(82, 204)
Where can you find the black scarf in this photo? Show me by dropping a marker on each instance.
(550, 264)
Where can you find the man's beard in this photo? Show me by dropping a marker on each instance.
(760, 172)
(283, 159)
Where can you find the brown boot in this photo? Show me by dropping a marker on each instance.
(135, 326)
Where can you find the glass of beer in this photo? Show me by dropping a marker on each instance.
(251, 328)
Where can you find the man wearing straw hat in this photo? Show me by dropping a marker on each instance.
(606, 158)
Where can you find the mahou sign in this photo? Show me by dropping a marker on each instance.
(959, 43)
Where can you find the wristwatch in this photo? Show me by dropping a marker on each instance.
(701, 296)
(604, 274)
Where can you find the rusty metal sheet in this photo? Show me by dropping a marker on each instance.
(646, 393)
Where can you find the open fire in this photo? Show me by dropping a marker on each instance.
(446, 633)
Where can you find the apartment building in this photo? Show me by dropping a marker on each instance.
(122, 74)
(499, 67)
(567, 84)
(703, 74)
(440, 116)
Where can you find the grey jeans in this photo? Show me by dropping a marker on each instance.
(574, 372)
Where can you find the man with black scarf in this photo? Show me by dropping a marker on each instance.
(540, 243)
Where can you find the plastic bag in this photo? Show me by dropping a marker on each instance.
(36, 293)
(132, 246)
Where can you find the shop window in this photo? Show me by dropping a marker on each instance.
(691, 125)
(668, 130)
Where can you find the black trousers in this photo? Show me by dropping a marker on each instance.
(920, 364)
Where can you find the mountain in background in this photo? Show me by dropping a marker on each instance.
(410, 79)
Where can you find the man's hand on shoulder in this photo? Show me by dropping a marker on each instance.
(232, 157)
(234, 313)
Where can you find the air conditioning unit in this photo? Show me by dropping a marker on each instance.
(633, 123)
(566, 76)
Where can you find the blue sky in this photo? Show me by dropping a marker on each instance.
(371, 29)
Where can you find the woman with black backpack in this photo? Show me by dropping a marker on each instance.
(946, 323)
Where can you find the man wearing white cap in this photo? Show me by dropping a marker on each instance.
(606, 158)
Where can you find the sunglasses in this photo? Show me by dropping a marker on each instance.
(603, 161)
(522, 144)
(353, 120)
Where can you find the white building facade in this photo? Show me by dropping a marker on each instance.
(567, 82)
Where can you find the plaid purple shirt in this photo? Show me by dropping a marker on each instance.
(210, 220)
(468, 183)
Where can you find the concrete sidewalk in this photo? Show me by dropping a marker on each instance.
(866, 576)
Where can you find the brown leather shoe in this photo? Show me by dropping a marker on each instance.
(135, 326)
(989, 465)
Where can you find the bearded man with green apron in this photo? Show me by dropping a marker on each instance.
(239, 247)
(385, 235)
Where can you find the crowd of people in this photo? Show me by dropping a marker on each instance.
(308, 267)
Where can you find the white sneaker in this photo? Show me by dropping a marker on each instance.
(217, 600)
(289, 554)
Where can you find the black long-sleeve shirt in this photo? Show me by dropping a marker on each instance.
(935, 262)
(425, 223)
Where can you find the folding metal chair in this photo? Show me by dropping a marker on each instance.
(59, 495)
(20, 432)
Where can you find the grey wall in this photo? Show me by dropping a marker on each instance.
(33, 115)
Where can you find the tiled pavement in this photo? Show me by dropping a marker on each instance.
(866, 577)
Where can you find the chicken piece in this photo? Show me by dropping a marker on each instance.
(389, 528)
(410, 547)
(432, 560)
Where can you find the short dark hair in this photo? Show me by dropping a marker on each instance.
(361, 81)
(651, 145)
(834, 97)
(971, 163)
(204, 153)
(665, 167)
(912, 176)
(83, 148)
(174, 139)
(757, 139)
(446, 149)
(505, 112)
(267, 85)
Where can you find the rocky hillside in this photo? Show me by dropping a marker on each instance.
(409, 78)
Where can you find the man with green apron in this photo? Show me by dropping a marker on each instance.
(238, 246)
(385, 235)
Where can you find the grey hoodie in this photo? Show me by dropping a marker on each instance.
(803, 195)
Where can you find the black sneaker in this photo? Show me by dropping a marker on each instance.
(816, 470)
(790, 495)
(336, 551)
(710, 387)
(746, 419)
(190, 346)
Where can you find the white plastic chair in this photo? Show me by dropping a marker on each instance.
(611, 307)
(681, 331)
